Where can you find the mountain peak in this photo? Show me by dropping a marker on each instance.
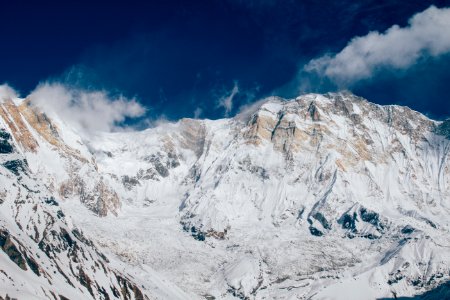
(298, 175)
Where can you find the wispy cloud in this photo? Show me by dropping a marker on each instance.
(227, 101)
(198, 112)
(427, 35)
(247, 110)
(7, 92)
(88, 111)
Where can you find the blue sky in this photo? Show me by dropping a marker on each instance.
(208, 58)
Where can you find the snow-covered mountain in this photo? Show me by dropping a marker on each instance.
(319, 197)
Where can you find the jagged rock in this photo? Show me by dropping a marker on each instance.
(11, 250)
(16, 166)
(444, 129)
(101, 199)
(5, 145)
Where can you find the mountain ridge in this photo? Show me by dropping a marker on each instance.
(258, 195)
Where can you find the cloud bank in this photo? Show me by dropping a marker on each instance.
(426, 35)
(88, 111)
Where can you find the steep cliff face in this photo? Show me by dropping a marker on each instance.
(309, 197)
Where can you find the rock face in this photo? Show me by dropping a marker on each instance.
(304, 198)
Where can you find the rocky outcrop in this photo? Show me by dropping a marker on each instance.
(101, 199)
(11, 115)
(444, 129)
(5, 142)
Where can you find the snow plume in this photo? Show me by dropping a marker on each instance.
(7, 92)
(88, 111)
(427, 35)
(227, 101)
(198, 112)
(247, 110)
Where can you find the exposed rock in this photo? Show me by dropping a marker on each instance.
(129, 182)
(314, 112)
(12, 116)
(444, 129)
(101, 199)
(193, 135)
(5, 145)
(8, 246)
(16, 166)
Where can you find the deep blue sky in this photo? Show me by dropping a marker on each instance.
(177, 56)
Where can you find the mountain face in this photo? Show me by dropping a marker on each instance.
(43, 255)
(319, 197)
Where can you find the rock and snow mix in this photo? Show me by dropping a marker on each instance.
(319, 197)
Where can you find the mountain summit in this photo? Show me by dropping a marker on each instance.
(319, 197)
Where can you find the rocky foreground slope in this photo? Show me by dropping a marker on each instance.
(319, 197)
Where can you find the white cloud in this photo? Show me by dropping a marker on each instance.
(87, 111)
(7, 92)
(247, 110)
(227, 101)
(198, 112)
(427, 34)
